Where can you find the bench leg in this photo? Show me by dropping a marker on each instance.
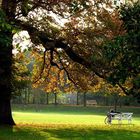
(129, 121)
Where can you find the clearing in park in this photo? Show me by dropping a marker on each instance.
(69, 123)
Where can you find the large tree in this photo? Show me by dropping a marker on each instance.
(74, 47)
(5, 70)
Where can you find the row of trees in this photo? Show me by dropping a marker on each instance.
(37, 96)
(96, 42)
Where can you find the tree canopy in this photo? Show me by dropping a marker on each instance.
(93, 34)
(123, 52)
(85, 40)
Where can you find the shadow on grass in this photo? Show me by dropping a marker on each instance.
(25, 132)
(92, 134)
(17, 133)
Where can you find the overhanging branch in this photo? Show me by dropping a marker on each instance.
(40, 37)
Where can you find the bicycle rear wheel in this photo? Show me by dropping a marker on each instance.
(107, 121)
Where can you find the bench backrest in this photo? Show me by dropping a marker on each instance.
(91, 102)
(121, 116)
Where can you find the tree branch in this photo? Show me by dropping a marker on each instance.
(38, 37)
(123, 89)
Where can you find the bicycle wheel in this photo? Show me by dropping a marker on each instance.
(107, 121)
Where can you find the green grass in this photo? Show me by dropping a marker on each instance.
(69, 123)
(71, 132)
(67, 114)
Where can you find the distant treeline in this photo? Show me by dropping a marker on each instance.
(37, 96)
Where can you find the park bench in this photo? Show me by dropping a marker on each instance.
(91, 102)
(119, 117)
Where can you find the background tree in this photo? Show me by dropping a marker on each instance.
(123, 52)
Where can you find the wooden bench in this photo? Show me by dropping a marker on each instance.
(91, 102)
(122, 116)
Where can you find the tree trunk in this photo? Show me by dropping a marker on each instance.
(77, 98)
(28, 91)
(55, 98)
(115, 103)
(47, 98)
(85, 99)
(5, 84)
(5, 113)
(115, 106)
(9, 8)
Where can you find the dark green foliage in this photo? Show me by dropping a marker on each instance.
(131, 15)
(4, 29)
(25, 7)
(123, 53)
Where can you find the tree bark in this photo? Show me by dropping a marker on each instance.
(115, 104)
(5, 84)
(55, 98)
(85, 104)
(5, 113)
(77, 98)
(47, 98)
(9, 8)
(116, 99)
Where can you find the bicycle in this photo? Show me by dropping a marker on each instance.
(107, 119)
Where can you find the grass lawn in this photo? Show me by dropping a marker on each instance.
(71, 132)
(69, 123)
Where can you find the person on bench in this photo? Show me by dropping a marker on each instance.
(111, 115)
